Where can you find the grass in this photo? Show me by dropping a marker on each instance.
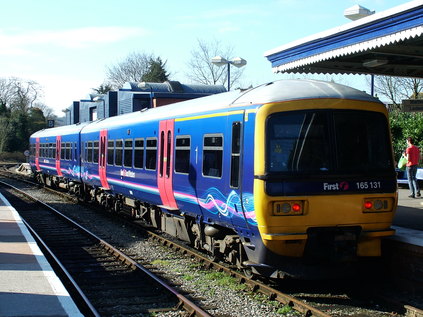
(161, 262)
(223, 279)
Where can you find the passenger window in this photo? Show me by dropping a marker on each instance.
(95, 152)
(63, 151)
(182, 154)
(86, 152)
(90, 152)
(128, 153)
(119, 152)
(68, 151)
(151, 154)
(212, 155)
(110, 151)
(139, 153)
(235, 154)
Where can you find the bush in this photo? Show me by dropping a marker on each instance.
(13, 157)
(403, 125)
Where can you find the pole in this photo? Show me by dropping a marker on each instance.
(229, 77)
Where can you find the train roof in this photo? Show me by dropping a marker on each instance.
(62, 130)
(277, 91)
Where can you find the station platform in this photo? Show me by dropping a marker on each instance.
(408, 220)
(28, 284)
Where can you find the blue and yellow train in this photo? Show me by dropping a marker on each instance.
(278, 179)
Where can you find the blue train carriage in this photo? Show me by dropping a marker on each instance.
(55, 155)
(288, 173)
(168, 161)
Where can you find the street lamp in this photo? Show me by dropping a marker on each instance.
(354, 13)
(237, 62)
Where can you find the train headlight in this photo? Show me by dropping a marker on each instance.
(378, 204)
(288, 208)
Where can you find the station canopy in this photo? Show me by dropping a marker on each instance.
(386, 43)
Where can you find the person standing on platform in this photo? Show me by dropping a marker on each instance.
(412, 154)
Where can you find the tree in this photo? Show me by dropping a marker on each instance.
(19, 94)
(395, 89)
(133, 69)
(202, 70)
(156, 71)
(103, 89)
(17, 98)
(403, 125)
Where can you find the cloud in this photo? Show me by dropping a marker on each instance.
(18, 43)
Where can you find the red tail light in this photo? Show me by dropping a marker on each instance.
(368, 204)
(296, 207)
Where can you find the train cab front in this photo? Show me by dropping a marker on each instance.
(325, 185)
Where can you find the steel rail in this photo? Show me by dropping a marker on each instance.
(184, 302)
(272, 294)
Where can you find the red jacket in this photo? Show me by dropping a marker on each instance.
(413, 153)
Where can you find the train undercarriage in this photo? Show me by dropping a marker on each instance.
(216, 241)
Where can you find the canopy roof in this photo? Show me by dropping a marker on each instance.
(386, 43)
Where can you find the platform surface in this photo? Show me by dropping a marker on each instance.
(408, 220)
(28, 284)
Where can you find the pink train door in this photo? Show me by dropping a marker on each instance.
(165, 170)
(103, 159)
(58, 152)
(37, 154)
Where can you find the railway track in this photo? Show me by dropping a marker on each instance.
(104, 281)
(332, 304)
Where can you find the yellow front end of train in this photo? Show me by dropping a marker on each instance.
(325, 182)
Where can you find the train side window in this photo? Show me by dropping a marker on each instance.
(85, 151)
(139, 153)
(90, 152)
(95, 152)
(182, 154)
(110, 151)
(128, 153)
(75, 157)
(62, 150)
(212, 155)
(162, 144)
(68, 150)
(151, 154)
(235, 154)
(119, 153)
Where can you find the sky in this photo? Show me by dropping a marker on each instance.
(66, 46)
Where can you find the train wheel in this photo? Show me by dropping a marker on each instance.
(248, 272)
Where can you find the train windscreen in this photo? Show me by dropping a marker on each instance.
(327, 142)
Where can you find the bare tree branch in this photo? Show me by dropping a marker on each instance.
(131, 69)
(202, 70)
(395, 89)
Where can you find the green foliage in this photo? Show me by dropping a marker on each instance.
(284, 310)
(103, 89)
(156, 71)
(403, 125)
(12, 157)
(16, 126)
(161, 262)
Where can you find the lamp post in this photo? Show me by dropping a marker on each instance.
(354, 13)
(237, 62)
